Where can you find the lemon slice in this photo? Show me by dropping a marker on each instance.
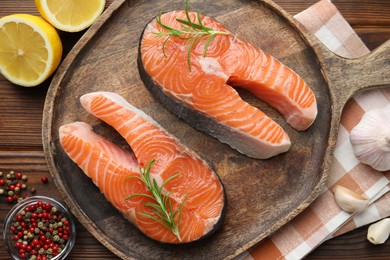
(30, 49)
(70, 15)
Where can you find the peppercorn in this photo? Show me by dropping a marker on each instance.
(56, 238)
(44, 179)
(24, 177)
(33, 190)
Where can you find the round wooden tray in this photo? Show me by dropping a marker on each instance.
(262, 195)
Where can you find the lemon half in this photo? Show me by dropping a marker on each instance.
(30, 49)
(70, 15)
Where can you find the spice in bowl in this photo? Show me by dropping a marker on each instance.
(39, 228)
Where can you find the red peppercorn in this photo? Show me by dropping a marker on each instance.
(66, 223)
(16, 237)
(18, 244)
(47, 206)
(34, 252)
(11, 187)
(18, 175)
(19, 217)
(66, 237)
(22, 255)
(10, 199)
(44, 179)
(44, 215)
(2, 182)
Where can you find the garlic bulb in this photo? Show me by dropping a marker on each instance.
(348, 200)
(379, 232)
(370, 139)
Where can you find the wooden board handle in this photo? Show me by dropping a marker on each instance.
(346, 77)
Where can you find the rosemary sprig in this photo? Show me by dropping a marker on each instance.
(190, 31)
(162, 205)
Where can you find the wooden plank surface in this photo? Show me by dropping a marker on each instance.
(21, 116)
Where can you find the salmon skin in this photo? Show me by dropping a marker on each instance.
(110, 167)
(202, 94)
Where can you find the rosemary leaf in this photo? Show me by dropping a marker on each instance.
(206, 45)
(196, 32)
(161, 204)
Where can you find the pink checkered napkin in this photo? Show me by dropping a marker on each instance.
(323, 219)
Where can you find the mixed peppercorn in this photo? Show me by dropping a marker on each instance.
(12, 186)
(40, 231)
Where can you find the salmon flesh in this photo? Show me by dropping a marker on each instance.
(110, 167)
(203, 96)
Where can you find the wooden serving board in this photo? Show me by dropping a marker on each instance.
(262, 195)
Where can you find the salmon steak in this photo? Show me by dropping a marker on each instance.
(191, 187)
(195, 82)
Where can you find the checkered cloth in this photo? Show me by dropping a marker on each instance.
(323, 219)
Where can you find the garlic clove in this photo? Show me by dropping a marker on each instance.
(379, 232)
(348, 200)
(370, 139)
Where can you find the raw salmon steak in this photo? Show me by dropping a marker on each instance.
(202, 93)
(110, 167)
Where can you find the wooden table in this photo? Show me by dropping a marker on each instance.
(21, 115)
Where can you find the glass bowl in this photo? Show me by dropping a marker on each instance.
(47, 229)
